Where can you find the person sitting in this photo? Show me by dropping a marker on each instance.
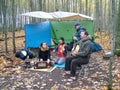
(79, 58)
(61, 52)
(44, 53)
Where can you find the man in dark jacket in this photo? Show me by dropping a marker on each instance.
(80, 57)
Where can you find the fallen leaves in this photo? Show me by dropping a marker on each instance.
(25, 79)
(54, 87)
(94, 75)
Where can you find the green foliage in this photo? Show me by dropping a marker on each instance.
(109, 88)
(117, 52)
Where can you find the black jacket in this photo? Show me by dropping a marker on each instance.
(44, 54)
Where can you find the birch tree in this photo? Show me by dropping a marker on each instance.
(13, 25)
(112, 28)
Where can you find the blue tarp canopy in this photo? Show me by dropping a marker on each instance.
(37, 33)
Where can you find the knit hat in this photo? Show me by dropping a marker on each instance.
(76, 24)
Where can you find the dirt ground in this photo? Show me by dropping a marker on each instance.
(14, 77)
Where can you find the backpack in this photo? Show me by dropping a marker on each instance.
(96, 47)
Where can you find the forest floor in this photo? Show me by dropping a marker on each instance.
(14, 77)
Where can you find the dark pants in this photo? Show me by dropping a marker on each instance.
(72, 62)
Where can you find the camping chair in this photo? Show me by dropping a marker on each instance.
(84, 70)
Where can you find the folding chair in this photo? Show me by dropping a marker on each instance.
(84, 70)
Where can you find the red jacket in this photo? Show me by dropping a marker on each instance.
(61, 49)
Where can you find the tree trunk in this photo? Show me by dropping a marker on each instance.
(104, 15)
(14, 25)
(0, 14)
(44, 5)
(4, 6)
(40, 4)
(72, 4)
(96, 14)
(76, 6)
(101, 14)
(67, 8)
(63, 5)
(112, 28)
(90, 11)
(48, 6)
(31, 5)
(80, 4)
(117, 32)
(86, 12)
(100, 20)
(56, 5)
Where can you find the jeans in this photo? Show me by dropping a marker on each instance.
(60, 60)
(72, 62)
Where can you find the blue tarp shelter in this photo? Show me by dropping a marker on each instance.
(37, 33)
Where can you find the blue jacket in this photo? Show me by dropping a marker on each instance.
(77, 35)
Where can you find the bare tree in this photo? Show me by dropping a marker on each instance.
(80, 4)
(86, 11)
(4, 6)
(117, 32)
(14, 25)
(112, 28)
